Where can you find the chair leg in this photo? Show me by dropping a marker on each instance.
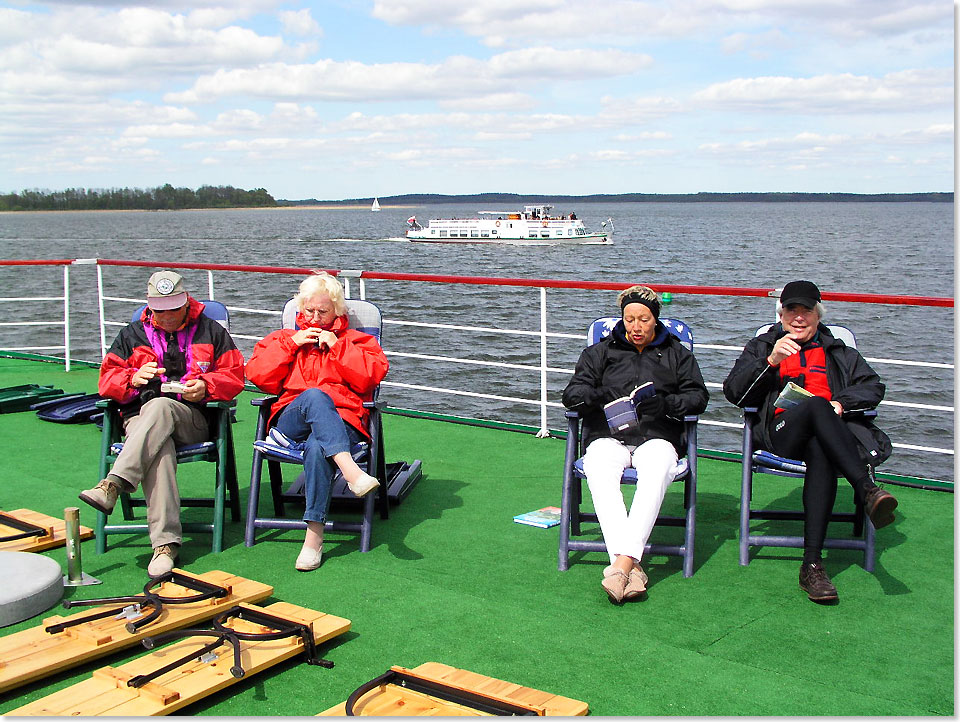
(746, 490)
(366, 526)
(254, 500)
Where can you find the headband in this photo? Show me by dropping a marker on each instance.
(653, 305)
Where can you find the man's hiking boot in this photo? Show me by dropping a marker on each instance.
(815, 582)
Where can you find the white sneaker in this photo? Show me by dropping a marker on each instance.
(309, 559)
(278, 438)
(364, 485)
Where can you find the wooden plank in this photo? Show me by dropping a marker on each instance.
(106, 692)
(32, 654)
(56, 535)
(392, 700)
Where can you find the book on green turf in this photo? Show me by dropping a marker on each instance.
(544, 518)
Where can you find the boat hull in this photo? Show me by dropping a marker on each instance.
(590, 238)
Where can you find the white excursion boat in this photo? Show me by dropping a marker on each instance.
(532, 225)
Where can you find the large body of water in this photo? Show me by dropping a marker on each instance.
(895, 248)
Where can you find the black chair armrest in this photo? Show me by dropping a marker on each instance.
(572, 414)
(105, 403)
(378, 404)
(264, 401)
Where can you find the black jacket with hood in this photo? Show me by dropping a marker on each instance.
(613, 367)
(753, 382)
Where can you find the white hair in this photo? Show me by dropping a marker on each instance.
(819, 308)
(322, 283)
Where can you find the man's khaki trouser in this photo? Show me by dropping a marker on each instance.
(149, 458)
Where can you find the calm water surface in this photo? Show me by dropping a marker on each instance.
(896, 248)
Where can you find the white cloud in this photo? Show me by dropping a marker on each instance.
(456, 77)
(300, 22)
(844, 93)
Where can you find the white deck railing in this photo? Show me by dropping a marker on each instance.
(357, 281)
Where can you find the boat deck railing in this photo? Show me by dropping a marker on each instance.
(545, 370)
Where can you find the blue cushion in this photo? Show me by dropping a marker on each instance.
(182, 451)
(295, 456)
(772, 461)
(630, 475)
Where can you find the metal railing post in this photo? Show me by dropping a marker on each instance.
(210, 285)
(103, 328)
(544, 431)
(66, 318)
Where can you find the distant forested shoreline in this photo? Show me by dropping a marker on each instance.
(515, 199)
(167, 197)
(162, 198)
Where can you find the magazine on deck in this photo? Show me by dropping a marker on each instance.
(791, 395)
(544, 518)
(622, 413)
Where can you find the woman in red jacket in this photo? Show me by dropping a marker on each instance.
(323, 372)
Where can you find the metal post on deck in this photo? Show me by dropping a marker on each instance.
(66, 318)
(544, 432)
(347, 275)
(75, 576)
(103, 334)
(210, 285)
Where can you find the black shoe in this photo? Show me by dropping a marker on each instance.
(879, 505)
(815, 582)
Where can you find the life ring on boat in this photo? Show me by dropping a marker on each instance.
(498, 224)
(545, 223)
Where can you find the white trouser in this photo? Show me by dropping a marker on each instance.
(603, 464)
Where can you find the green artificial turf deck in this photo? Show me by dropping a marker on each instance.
(452, 579)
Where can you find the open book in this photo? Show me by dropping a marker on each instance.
(622, 413)
(791, 395)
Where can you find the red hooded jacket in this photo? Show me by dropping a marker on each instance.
(202, 348)
(348, 373)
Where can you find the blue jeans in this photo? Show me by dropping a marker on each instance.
(312, 418)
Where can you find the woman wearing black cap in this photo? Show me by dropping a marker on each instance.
(639, 349)
(801, 349)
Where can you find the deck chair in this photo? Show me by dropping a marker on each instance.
(571, 517)
(218, 449)
(758, 461)
(362, 316)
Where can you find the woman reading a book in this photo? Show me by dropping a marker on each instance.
(801, 351)
(322, 371)
(648, 437)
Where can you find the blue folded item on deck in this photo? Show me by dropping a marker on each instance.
(69, 409)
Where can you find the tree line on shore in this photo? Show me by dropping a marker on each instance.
(518, 199)
(161, 198)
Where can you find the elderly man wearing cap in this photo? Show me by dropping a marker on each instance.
(801, 349)
(638, 350)
(172, 341)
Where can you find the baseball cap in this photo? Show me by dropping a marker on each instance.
(805, 292)
(165, 291)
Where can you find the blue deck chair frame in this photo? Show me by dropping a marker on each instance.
(758, 461)
(219, 450)
(571, 517)
(363, 316)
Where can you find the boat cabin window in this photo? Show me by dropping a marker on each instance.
(474, 233)
(484, 234)
(443, 234)
(533, 232)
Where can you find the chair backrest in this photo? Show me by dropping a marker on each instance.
(841, 332)
(603, 326)
(363, 316)
(211, 309)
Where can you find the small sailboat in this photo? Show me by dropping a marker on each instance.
(376, 205)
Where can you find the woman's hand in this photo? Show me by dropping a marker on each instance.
(305, 336)
(145, 374)
(326, 338)
(653, 406)
(783, 348)
(838, 407)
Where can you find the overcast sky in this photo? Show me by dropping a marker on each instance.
(354, 98)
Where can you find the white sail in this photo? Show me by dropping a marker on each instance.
(376, 205)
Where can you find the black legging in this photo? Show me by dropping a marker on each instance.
(813, 433)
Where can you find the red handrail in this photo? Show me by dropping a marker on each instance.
(902, 300)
